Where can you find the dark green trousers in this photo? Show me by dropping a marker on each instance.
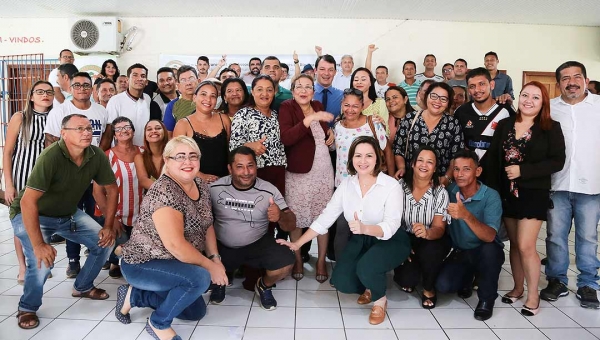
(366, 261)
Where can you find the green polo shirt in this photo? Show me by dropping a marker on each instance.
(62, 181)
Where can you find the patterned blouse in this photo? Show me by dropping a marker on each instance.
(145, 244)
(447, 138)
(433, 203)
(514, 153)
(250, 125)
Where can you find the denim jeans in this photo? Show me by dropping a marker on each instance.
(461, 265)
(585, 210)
(172, 288)
(86, 233)
(125, 236)
(88, 205)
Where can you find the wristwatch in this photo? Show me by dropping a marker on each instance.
(213, 256)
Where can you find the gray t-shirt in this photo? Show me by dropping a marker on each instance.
(240, 216)
(456, 82)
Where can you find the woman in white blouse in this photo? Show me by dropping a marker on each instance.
(371, 202)
(424, 218)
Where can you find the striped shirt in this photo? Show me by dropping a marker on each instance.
(433, 203)
(411, 91)
(130, 192)
(25, 154)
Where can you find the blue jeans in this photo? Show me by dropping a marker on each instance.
(125, 236)
(585, 209)
(88, 205)
(86, 233)
(172, 288)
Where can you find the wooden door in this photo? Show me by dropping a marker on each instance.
(546, 78)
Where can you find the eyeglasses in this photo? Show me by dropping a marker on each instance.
(447, 70)
(41, 92)
(180, 157)
(188, 80)
(300, 88)
(81, 129)
(78, 86)
(123, 128)
(434, 96)
(354, 91)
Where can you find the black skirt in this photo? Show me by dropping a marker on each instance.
(531, 203)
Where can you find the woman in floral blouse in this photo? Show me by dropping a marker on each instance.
(433, 126)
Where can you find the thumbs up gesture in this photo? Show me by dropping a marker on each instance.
(458, 210)
(356, 226)
(273, 212)
(258, 146)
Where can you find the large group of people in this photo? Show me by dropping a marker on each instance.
(186, 184)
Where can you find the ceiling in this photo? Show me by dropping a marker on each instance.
(547, 12)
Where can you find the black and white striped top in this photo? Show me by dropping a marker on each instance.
(434, 202)
(26, 154)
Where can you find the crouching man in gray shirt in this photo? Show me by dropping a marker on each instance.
(243, 205)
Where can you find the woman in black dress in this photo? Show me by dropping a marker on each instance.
(525, 151)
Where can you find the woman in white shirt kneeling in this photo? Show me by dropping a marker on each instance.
(371, 202)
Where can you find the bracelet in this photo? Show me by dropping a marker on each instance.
(448, 178)
(296, 61)
(214, 256)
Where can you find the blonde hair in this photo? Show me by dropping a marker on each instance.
(174, 143)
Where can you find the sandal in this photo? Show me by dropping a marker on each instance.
(510, 299)
(24, 318)
(322, 277)
(93, 294)
(298, 276)
(432, 299)
(407, 289)
(121, 296)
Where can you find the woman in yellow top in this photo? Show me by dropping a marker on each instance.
(363, 80)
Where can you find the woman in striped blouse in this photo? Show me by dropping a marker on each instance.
(24, 143)
(424, 218)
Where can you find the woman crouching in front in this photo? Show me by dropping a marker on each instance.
(371, 202)
(162, 261)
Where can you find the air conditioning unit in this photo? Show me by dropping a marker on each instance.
(96, 35)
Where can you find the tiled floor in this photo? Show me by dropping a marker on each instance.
(307, 311)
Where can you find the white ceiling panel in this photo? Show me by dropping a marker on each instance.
(547, 12)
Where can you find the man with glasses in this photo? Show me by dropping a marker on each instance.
(271, 66)
(460, 73)
(183, 106)
(503, 88)
(430, 63)
(61, 175)
(166, 91)
(133, 103)
(448, 72)
(410, 84)
(81, 104)
(65, 57)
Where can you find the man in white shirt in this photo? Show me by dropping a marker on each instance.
(381, 74)
(575, 192)
(203, 64)
(65, 57)
(63, 78)
(343, 79)
(430, 63)
(105, 88)
(133, 103)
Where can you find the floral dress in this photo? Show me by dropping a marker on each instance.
(514, 154)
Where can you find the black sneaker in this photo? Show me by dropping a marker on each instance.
(73, 269)
(267, 301)
(56, 239)
(106, 266)
(554, 290)
(115, 272)
(217, 295)
(544, 261)
(588, 297)
(86, 252)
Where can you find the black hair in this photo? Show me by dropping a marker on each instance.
(103, 68)
(121, 119)
(491, 53)
(595, 83)
(134, 66)
(241, 150)
(68, 69)
(461, 59)
(425, 82)
(99, 83)
(448, 64)
(430, 55)
(444, 86)
(251, 101)
(570, 64)
(378, 154)
(409, 177)
(285, 66)
(65, 50)
(372, 92)
(204, 83)
(271, 57)
(402, 91)
(327, 58)
(224, 106)
(164, 69)
(203, 58)
(466, 153)
(384, 67)
(82, 74)
(479, 71)
(186, 68)
(409, 62)
(227, 69)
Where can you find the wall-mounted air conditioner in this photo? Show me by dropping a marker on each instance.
(94, 35)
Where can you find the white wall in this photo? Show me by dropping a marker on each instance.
(520, 47)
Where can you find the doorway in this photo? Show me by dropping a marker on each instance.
(548, 79)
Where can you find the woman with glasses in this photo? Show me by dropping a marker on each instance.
(149, 163)
(306, 136)
(371, 202)
(121, 158)
(163, 260)
(398, 105)
(234, 96)
(210, 129)
(424, 218)
(433, 126)
(24, 143)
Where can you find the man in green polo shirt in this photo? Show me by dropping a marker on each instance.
(271, 66)
(48, 205)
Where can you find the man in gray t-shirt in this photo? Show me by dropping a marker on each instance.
(243, 205)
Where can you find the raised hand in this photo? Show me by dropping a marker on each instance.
(319, 50)
(458, 209)
(372, 48)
